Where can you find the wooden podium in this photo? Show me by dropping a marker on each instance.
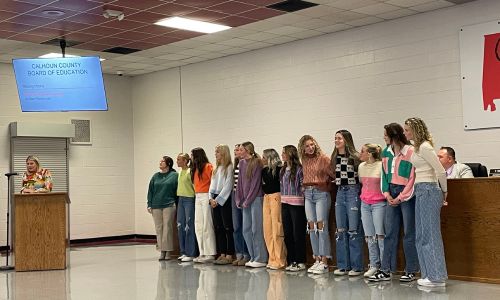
(40, 236)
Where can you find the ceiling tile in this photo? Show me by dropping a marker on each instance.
(81, 37)
(261, 13)
(351, 4)
(30, 38)
(5, 34)
(376, 9)
(4, 15)
(318, 11)
(86, 18)
(199, 3)
(44, 31)
(365, 21)
(173, 56)
(173, 9)
(407, 3)
(232, 7)
(334, 28)
(155, 29)
(101, 30)
(260, 2)
(431, 6)
(133, 35)
(75, 5)
(234, 21)
(343, 17)
(124, 24)
(146, 17)
(205, 15)
(185, 34)
(138, 4)
(140, 45)
(397, 14)
(17, 7)
(31, 20)
(67, 25)
(100, 9)
(162, 39)
(285, 30)
(92, 46)
(260, 36)
(112, 41)
(8, 26)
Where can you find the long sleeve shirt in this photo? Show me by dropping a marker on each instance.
(369, 175)
(427, 166)
(185, 187)
(317, 171)
(270, 182)
(291, 192)
(222, 184)
(162, 190)
(40, 182)
(398, 169)
(202, 184)
(248, 188)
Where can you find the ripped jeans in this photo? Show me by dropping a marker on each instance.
(349, 234)
(317, 206)
(185, 227)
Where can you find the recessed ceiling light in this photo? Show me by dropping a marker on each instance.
(191, 25)
(57, 55)
(53, 13)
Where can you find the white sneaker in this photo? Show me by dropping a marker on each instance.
(354, 273)
(322, 268)
(300, 267)
(208, 259)
(340, 272)
(187, 259)
(426, 282)
(199, 259)
(313, 267)
(289, 267)
(371, 271)
(181, 257)
(248, 263)
(256, 264)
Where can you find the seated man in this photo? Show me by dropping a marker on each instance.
(453, 168)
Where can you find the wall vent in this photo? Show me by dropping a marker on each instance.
(83, 132)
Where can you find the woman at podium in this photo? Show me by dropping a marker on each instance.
(36, 179)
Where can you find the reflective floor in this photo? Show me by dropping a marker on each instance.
(133, 272)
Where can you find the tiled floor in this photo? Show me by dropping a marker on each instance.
(133, 272)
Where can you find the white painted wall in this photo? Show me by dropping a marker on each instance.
(157, 132)
(101, 175)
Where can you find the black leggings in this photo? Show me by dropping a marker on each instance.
(223, 226)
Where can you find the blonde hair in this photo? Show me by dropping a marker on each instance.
(301, 147)
(273, 160)
(36, 160)
(254, 159)
(186, 157)
(225, 158)
(420, 132)
(375, 151)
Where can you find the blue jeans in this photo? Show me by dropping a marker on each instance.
(240, 247)
(185, 227)
(253, 231)
(317, 206)
(349, 235)
(428, 231)
(372, 216)
(393, 216)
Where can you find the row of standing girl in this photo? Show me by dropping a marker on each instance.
(273, 205)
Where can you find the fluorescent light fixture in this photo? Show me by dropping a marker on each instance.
(191, 25)
(57, 55)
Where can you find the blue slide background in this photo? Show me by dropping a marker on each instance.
(60, 84)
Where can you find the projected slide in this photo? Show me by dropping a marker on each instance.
(60, 84)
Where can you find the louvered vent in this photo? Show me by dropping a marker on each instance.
(83, 135)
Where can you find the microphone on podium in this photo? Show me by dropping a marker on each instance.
(11, 174)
